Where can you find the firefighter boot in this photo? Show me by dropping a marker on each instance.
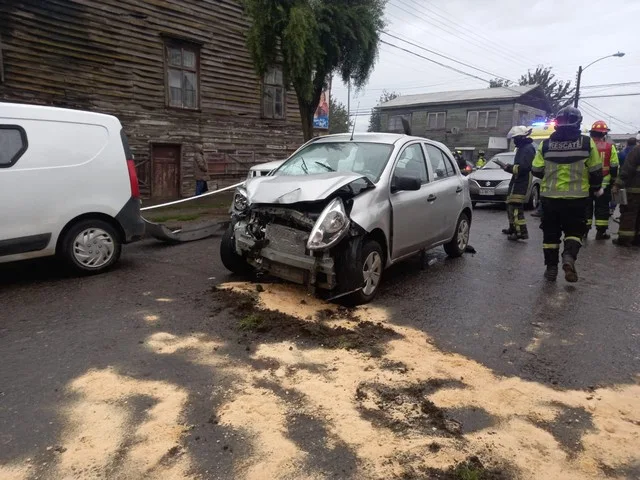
(602, 234)
(551, 261)
(510, 230)
(569, 267)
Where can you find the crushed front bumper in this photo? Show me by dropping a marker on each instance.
(283, 254)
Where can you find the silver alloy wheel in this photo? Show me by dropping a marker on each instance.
(371, 273)
(93, 248)
(463, 234)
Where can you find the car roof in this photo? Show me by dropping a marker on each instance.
(367, 137)
(41, 112)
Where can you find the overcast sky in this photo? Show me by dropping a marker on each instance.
(506, 38)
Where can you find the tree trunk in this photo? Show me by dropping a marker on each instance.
(306, 117)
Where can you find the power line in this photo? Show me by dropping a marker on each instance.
(447, 30)
(619, 121)
(624, 84)
(443, 56)
(517, 56)
(612, 95)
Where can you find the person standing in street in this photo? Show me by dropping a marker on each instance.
(520, 182)
(600, 205)
(201, 171)
(570, 168)
(481, 162)
(629, 179)
(631, 144)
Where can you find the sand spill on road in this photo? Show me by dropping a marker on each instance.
(329, 392)
(533, 430)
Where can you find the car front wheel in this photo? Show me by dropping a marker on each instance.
(230, 259)
(458, 244)
(366, 273)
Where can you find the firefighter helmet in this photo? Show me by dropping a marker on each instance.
(519, 131)
(599, 126)
(569, 117)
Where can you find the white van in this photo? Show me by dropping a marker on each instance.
(68, 187)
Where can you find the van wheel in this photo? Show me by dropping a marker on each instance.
(90, 246)
(230, 259)
(366, 273)
(458, 244)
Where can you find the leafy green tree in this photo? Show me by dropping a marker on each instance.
(558, 93)
(339, 121)
(375, 124)
(312, 39)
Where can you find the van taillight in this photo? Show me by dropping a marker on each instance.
(133, 179)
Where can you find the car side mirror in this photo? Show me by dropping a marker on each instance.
(400, 184)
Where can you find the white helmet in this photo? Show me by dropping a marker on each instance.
(519, 131)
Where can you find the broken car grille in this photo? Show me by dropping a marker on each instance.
(286, 239)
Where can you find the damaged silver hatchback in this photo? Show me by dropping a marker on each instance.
(343, 208)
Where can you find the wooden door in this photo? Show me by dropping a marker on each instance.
(166, 171)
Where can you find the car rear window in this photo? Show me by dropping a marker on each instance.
(13, 144)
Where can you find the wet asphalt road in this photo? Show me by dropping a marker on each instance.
(493, 307)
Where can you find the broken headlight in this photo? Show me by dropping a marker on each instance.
(330, 226)
(240, 202)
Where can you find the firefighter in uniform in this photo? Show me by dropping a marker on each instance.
(609, 158)
(520, 182)
(481, 162)
(629, 179)
(570, 168)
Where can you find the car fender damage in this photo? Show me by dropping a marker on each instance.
(272, 234)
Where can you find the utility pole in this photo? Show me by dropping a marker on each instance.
(575, 102)
(349, 100)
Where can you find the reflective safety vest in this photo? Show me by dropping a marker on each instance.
(566, 166)
(610, 162)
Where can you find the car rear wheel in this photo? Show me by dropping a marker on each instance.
(230, 259)
(90, 247)
(458, 244)
(366, 274)
(534, 198)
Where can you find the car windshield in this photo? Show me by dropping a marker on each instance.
(506, 158)
(365, 158)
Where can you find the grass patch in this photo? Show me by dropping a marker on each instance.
(466, 471)
(185, 217)
(250, 322)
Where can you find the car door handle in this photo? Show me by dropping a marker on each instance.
(459, 189)
(431, 198)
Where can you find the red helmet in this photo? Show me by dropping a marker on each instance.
(599, 126)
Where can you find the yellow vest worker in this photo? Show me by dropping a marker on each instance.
(571, 170)
(481, 162)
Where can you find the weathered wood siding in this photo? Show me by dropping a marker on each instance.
(457, 119)
(108, 56)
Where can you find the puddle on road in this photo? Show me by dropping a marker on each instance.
(320, 396)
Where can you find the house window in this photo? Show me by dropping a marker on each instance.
(183, 65)
(273, 95)
(395, 122)
(523, 118)
(436, 121)
(482, 119)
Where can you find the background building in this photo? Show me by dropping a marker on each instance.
(468, 120)
(175, 73)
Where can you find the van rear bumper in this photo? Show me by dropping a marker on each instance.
(131, 221)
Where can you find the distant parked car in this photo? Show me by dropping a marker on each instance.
(264, 169)
(490, 184)
(68, 187)
(342, 209)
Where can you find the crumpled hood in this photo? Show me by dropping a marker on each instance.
(492, 174)
(285, 189)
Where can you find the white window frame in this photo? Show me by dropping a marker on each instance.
(393, 119)
(479, 114)
(438, 116)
